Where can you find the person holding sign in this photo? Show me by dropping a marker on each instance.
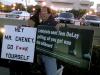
(34, 20)
(21, 53)
(50, 63)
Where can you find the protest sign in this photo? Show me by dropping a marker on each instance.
(18, 43)
(71, 45)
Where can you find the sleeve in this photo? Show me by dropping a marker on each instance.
(53, 22)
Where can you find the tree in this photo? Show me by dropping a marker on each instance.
(19, 6)
(78, 13)
(7, 8)
(0, 6)
(30, 8)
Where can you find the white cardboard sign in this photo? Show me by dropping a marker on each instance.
(19, 43)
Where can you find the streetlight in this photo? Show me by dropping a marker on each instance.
(13, 8)
(2, 6)
(33, 9)
(44, 4)
(14, 5)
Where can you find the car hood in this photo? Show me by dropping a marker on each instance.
(93, 21)
(11, 14)
(63, 18)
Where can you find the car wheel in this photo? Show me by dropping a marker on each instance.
(23, 18)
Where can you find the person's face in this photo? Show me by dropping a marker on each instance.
(44, 14)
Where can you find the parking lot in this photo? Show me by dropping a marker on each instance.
(4, 71)
(8, 21)
(5, 21)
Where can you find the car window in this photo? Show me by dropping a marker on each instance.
(16, 12)
(66, 15)
(92, 18)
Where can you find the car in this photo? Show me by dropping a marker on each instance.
(66, 17)
(20, 15)
(90, 20)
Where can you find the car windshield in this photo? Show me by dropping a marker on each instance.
(16, 12)
(66, 15)
(92, 18)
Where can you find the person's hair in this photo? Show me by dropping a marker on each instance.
(38, 10)
(35, 17)
(48, 9)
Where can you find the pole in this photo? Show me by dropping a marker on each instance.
(26, 4)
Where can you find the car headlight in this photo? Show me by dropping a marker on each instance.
(72, 21)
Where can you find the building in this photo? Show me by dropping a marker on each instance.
(67, 4)
(98, 8)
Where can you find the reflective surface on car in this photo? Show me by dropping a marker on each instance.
(20, 15)
(65, 17)
(92, 17)
(90, 20)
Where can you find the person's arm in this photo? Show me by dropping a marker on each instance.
(59, 25)
(30, 23)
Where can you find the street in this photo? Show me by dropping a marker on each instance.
(4, 71)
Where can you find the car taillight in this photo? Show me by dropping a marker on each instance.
(17, 16)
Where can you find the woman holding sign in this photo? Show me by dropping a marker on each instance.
(26, 68)
(50, 63)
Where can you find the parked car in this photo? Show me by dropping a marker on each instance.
(90, 20)
(20, 15)
(65, 17)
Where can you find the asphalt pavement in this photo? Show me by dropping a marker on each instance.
(4, 71)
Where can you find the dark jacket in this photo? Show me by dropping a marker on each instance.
(35, 18)
(50, 21)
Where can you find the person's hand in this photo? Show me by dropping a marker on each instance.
(30, 23)
(59, 25)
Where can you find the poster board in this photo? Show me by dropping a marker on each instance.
(71, 45)
(18, 43)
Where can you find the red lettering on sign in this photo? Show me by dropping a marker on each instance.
(21, 48)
